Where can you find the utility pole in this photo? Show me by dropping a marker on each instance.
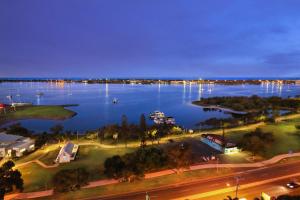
(217, 165)
(77, 136)
(237, 178)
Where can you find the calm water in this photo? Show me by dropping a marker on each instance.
(96, 109)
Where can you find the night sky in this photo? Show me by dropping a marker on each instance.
(149, 38)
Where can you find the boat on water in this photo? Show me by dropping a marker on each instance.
(159, 117)
(39, 94)
(115, 101)
(158, 120)
(170, 120)
(157, 114)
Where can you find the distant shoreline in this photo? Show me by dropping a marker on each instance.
(230, 81)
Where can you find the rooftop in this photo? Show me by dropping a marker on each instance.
(8, 138)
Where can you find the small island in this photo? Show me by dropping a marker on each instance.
(47, 112)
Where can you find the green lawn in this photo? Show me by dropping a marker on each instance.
(50, 156)
(37, 112)
(286, 136)
(89, 157)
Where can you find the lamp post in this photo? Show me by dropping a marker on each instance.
(237, 179)
(217, 165)
(147, 196)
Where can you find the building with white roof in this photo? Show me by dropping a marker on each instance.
(67, 153)
(14, 145)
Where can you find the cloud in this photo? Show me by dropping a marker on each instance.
(291, 58)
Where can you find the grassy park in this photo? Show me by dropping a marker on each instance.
(286, 137)
(92, 155)
(36, 112)
(89, 156)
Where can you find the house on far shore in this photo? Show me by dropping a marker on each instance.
(14, 145)
(219, 143)
(67, 153)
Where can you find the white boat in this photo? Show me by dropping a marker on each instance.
(39, 94)
(169, 120)
(115, 101)
(157, 114)
(159, 120)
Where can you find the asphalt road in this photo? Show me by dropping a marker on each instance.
(219, 188)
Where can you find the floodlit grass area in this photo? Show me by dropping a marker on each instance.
(287, 137)
(37, 112)
(89, 157)
(38, 154)
(141, 185)
(36, 178)
(50, 156)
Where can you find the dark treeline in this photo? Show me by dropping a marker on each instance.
(134, 165)
(251, 104)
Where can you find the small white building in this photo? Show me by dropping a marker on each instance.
(67, 153)
(219, 143)
(14, 145)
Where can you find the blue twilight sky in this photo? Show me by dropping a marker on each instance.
(152, 38)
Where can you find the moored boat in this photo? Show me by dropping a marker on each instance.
(157, 114)
(169, 120)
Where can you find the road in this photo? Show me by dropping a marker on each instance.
(252, 182)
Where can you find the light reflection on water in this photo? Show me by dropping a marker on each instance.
(96, 108)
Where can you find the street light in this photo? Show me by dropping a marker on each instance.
(147, 196)
(217, 165)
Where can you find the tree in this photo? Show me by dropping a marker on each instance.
(9, 179)
(257, 141)
(133, 165)
(143, 130)
(275, 115)
(101, 135)
(17, 129)
(179, 155)
(70, 179)
(152, 134)
(114, 167)
(224, 125)
(57, 129)
(124, 129)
